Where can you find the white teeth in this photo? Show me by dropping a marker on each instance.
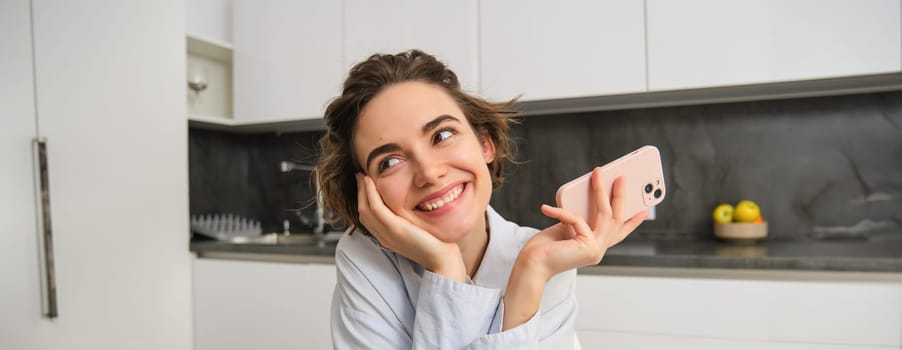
(448, 198)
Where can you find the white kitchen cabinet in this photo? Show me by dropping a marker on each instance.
(104, 85)
(262, 305)
(210, 20)
(702, 313)
(20, 294)
(287, 58)
(209, 42)
(710, 43)
(446, 29)
(547, 50)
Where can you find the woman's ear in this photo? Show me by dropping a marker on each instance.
(488, 149)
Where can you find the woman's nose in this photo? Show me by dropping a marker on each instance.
(429, 171)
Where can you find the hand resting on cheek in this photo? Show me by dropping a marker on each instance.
(403, 237)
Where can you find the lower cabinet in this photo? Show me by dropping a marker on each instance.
(619, 312)
(262, 305)
(274, 305)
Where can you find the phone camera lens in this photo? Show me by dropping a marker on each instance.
(657, 193)
(648, 188)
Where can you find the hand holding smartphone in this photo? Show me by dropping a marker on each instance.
(641, 170)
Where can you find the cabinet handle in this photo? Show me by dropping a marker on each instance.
(45, 232)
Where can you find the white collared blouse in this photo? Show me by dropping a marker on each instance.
(385, 301)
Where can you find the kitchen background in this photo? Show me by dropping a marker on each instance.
(104, 83)
(820, 168)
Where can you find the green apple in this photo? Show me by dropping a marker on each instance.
(723, 214)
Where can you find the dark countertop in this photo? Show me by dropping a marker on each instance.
(885, 256)
(204, 247)
(864, 256)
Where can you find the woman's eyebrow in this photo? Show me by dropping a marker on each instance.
(386, 148)
(438, 120)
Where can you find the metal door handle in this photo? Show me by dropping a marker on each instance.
(45, 232)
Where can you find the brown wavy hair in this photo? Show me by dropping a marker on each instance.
(337, 165)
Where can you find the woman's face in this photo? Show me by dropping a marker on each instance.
(425, 159)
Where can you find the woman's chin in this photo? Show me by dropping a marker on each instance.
(454, 231)
(449, 235)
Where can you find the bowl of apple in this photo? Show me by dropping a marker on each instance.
(742, 223)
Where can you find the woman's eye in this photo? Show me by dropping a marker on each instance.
(442, 135)
(388, 162)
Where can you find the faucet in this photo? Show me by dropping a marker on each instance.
(318, 230)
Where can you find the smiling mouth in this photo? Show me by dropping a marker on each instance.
(447, 198)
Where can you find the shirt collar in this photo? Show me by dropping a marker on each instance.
(500, 254)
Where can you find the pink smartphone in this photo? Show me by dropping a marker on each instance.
(644, 176)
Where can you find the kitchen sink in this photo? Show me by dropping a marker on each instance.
(328, 239)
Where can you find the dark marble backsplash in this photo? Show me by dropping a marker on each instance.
(240, 174)
(820, 168)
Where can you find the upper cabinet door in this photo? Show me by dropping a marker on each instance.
(210, 20)
(704, 43)
(287, 58)
(558, 49)
(445, 29)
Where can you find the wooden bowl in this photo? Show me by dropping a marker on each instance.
(741, 232)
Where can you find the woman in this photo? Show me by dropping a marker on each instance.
(410, 161)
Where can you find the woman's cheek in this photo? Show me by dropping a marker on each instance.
(390, 192)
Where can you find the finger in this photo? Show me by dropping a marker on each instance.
(377, 213)
(579, 225)
(362, 202)
(374, 199)
(631, 225)
(602, 202)
(364, 210)
(636, 220)
(557, 232)
(550, 234)
(618, 198)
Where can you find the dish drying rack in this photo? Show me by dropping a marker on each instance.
(225, 227)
